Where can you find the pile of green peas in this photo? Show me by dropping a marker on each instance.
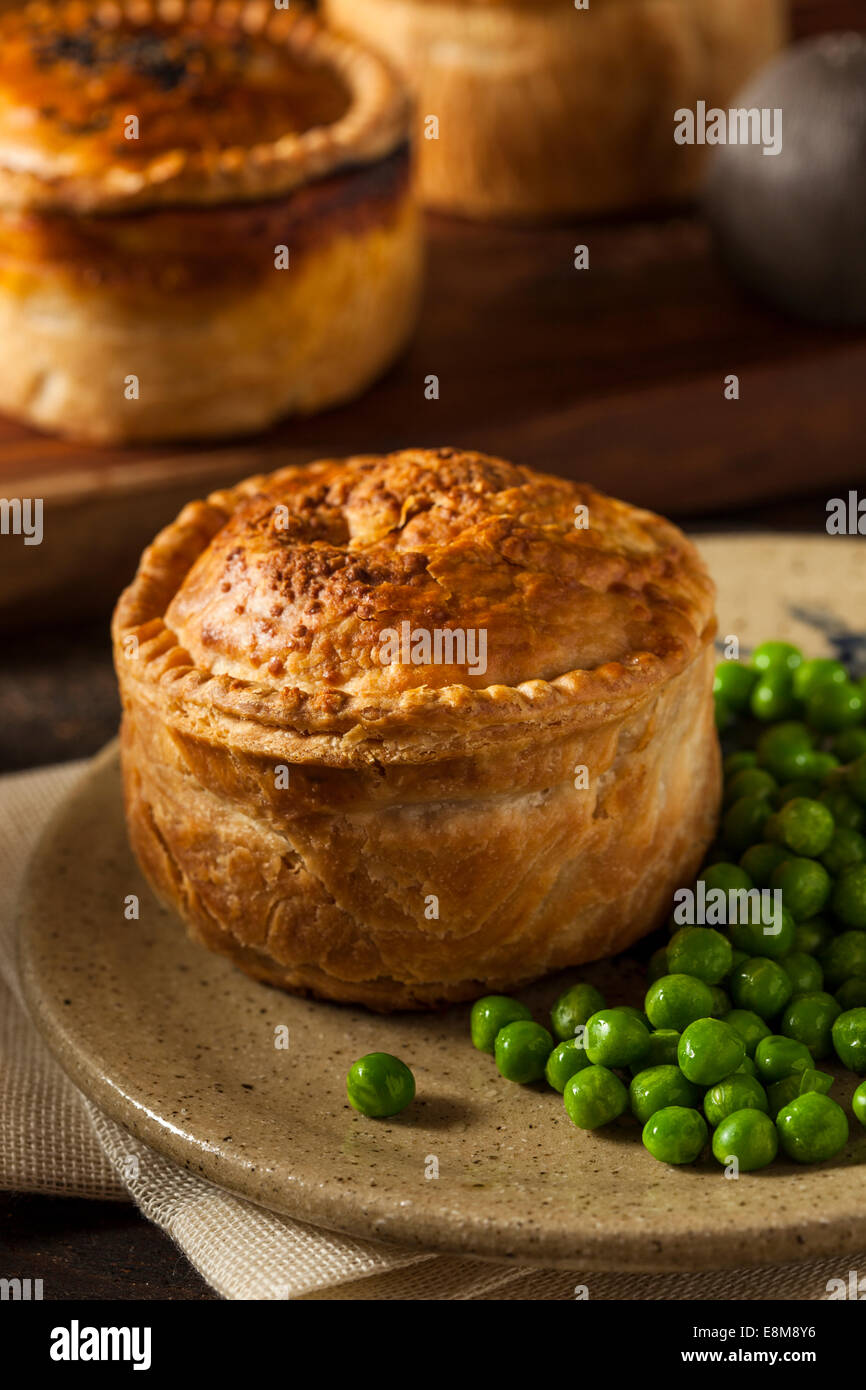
(736, 1019)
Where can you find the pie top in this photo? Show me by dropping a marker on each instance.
(422, 593)
(109, 104)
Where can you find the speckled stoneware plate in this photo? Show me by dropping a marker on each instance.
(178, 1046)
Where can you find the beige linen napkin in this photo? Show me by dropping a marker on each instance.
(53, 1140)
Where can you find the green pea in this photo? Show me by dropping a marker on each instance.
(747, 1067)
(594, 1097)
(750, 1027)
(658, 1087)
(709, 1050)
(701, 952)
(778, 1056)
(846, 849)
(777, 656)
(803, 971)
(821, 670)
(677, 1134)
(615, 1038)
(574, 1008)
(805, 826)
(743, 823)
(761, 985)
(844, 958)
(852, 993)
(858, 1103)
(724, 877)
(784, 750)
(657, 965)
(804, 884)
(847, 815)
(760, 860)
(850, 745)
(490, 1014)
(634, 1013)
(773, 697)
(736, 1092)
(745, 757)
(662, 1051)
(772, 936)
(832, 708)
(812, 1128)
(675, 1001)
(752, 781)
(521, 1051)
(849, 1039)
(813, 937)
(808, 1019)
(379, 1085)
(849, 897)
(747, 1136)
(733, 683)
(566, 1059)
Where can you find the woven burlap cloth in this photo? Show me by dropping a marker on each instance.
(53, 1140)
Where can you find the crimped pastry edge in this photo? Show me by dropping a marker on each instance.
(339, 728)
(375, 123)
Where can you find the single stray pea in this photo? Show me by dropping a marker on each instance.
(593, 1097)
(521, 1051)
(747, 1136)
(812, 1128)
(490, 1014)
(676, 1134)
(858, 1103)
(379, 1085)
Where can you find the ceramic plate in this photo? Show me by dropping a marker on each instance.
(180, 1047)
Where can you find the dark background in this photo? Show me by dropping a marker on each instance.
(57, 693)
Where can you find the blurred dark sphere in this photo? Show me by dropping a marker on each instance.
(792, 226)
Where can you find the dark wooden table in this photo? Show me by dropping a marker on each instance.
(57, 694)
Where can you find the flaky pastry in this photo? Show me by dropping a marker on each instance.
(205, 220)
(399, 730)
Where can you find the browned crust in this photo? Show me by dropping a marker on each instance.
(323, 721)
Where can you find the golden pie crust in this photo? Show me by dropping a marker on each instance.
(405, 832)
(205, 218)
(547, 110)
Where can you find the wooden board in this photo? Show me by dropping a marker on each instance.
(614, 374)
